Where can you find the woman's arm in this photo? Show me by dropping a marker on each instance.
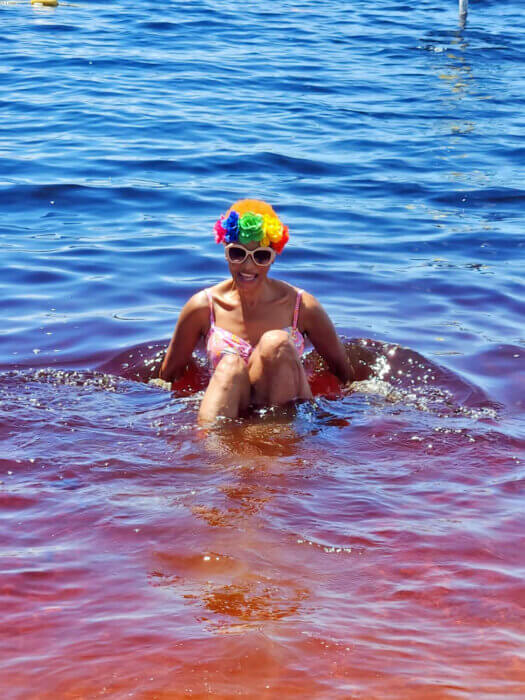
(320, 330)
(192, 323)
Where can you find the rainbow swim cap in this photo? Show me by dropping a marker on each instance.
(252, 220)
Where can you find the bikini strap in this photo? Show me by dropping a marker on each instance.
(210, 303)
(296, 311)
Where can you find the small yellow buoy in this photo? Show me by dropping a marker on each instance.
(47, 3)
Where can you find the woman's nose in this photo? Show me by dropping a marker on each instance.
(248, 263)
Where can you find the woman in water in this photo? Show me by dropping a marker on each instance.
(253, 325)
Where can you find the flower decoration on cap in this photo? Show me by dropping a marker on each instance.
(250, 227)
(220, 231)
(273, 229)
(279, 245)
(231, 227)
(245, 227)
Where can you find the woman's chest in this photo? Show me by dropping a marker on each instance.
(250, 324)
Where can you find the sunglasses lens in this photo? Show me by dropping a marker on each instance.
(262, 257)
(236, 254)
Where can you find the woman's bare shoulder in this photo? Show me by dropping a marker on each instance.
(219, 292)
(196, 309)
(308, 300)
(220, 287)
(285, 290)
(309, 303)
(197, 302)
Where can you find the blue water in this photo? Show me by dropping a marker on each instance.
(388, 137)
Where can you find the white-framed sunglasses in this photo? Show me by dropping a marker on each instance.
(237, 254)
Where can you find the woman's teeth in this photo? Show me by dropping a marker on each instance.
(246, 277)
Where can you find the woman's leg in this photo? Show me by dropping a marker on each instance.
(276, 373)
(228, 393)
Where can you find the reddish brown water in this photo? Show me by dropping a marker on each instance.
(368, 546)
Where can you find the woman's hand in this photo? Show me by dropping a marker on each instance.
(349, 387)
(160, 383)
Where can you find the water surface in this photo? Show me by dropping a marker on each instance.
(369, 545)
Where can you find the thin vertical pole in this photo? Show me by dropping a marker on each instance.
(463, 10)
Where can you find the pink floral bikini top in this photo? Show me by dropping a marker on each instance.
(219, 341)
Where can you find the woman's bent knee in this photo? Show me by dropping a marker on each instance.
(274, 344)
(231, 368)
(228, 392)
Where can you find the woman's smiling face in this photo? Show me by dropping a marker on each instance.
(247, 274)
